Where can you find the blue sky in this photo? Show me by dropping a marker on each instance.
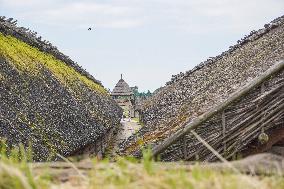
(146, 40)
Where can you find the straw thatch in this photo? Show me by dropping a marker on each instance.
(189, 95)
(122, 89)
(47, 100)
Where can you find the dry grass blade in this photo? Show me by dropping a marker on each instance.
(15, 174)
(227, 163)
(214, 152)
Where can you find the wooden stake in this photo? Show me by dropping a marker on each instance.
(224, 130)
(184, 147)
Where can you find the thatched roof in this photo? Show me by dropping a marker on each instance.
(122, 89)
(51, 103)
(193, 93)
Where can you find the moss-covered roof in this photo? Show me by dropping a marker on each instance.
(48, 102)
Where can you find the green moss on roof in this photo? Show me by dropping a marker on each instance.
(1, 77)
(29, 59)
(41, 133)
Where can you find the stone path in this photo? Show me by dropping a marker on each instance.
(127, 129)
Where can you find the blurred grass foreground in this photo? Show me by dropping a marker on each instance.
(17, 171)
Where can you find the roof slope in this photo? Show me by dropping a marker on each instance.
(191, 94)
(122, 88)
(9, 27)
(48, 102)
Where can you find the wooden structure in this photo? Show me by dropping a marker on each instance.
(124, 96)
(231, 102)
(232, 125)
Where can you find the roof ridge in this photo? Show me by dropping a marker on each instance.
(122, 88)
(252, 36)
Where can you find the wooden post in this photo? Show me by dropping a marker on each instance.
(262, 90)
(184, 147)
(102, 144)
(224, 130)
(96, 147)
(196, 156)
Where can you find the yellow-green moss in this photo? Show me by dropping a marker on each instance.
(1, 77)
(30, 59)
(45, 138)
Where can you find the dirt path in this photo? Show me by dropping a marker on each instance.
(127, 129)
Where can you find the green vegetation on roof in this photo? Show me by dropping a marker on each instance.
(1, 77)
(29, 59)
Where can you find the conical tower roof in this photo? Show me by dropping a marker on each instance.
(121, 88)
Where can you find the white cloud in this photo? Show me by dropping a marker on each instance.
(219, 15)
(74, 14)
(18, 3)
(184, 15)
(81, 14)
(80, 8)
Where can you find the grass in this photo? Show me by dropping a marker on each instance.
(16, 173)
(135, 175)
(136, 119)
(1, 77)
(14, 170)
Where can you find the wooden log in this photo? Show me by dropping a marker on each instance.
(264, 95)
(256, 115)
(207, 115)
(234, 133)
(250, 120)
(224, 129)
(184, 147)
(275, 102)
(260, 164)
(219, 146)
(262, 89)
(268, 121)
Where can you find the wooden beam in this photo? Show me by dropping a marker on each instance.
(277, 67)
(184, 145)
(224, 130)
